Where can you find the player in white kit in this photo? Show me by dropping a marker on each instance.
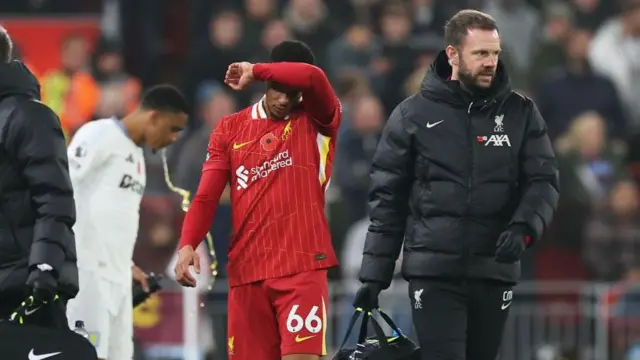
(107, 170)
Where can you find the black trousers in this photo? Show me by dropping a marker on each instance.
(459, 319)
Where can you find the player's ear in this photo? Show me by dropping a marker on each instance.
(154, 117)
(453, 55)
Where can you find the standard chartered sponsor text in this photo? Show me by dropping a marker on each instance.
(279, 161)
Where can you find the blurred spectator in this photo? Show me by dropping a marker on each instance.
(520, 26)
(310, 22)
(355, 50)
(574, 89)
(549, 52)
(414, 80)
(429, 16)
(350, 88)
(119, 91)
(273, 33)
(615, 52)
(71, 91)
(213, 104)
(590, 165)
(398, 54)
(612, 243)
(209, 59)
(258, 13)
(591, 13)
(354, 153)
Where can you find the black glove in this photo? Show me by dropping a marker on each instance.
(139, 295)
(43, 286)
(511, 244)
(367, 296)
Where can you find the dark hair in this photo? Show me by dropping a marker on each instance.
(292, 51)
(459, 25)
(6, 45)
(164, 98)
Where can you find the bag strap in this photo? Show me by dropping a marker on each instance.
(352, 322)
(362, 335)
(390, 322)
(379, 333)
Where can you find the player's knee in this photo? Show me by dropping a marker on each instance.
(301, 357)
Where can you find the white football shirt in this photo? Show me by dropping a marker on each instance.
(108, 174)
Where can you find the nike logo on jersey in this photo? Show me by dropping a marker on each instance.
(237, 146)
(33, 356)
(28, 312)
(305, 338)
(505, 305)
(430, 125)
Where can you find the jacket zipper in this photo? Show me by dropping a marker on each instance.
(470, 142)
(467, 244)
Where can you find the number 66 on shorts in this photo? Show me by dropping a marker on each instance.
(311, 322)
(278, 317)
(304, 329)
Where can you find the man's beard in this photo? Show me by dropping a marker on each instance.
(470, 81)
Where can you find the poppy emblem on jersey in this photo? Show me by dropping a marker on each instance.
(269, 142)
(139, 168)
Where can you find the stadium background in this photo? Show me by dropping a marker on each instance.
(580, 284)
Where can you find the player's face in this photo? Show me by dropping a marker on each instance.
(477, 58)
(280, 100)
(164, 129)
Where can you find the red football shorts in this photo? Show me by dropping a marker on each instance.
(276, 317)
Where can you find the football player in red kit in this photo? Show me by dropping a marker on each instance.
(277, 156)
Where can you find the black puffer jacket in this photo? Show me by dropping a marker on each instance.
(37, 210)
(451, 172)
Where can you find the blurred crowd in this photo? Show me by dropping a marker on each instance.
(578, 59)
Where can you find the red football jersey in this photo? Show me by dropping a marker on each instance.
(279, 171)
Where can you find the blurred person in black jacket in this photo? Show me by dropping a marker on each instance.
(38, 271)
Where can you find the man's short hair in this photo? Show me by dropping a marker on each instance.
(164, 98)
(459, 25)
(6, 46)
(292, 51)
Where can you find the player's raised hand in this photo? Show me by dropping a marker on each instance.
(239, 75)
(187, 257)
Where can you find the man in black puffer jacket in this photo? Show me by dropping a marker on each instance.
(38, 269)
(466, 177)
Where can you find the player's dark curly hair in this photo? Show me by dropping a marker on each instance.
(164, 98)
(292, 51)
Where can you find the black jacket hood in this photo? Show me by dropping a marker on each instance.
(436, 85)
(17, 80)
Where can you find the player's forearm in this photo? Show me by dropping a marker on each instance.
(299, 76)
(309, 79)
(200, 216)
